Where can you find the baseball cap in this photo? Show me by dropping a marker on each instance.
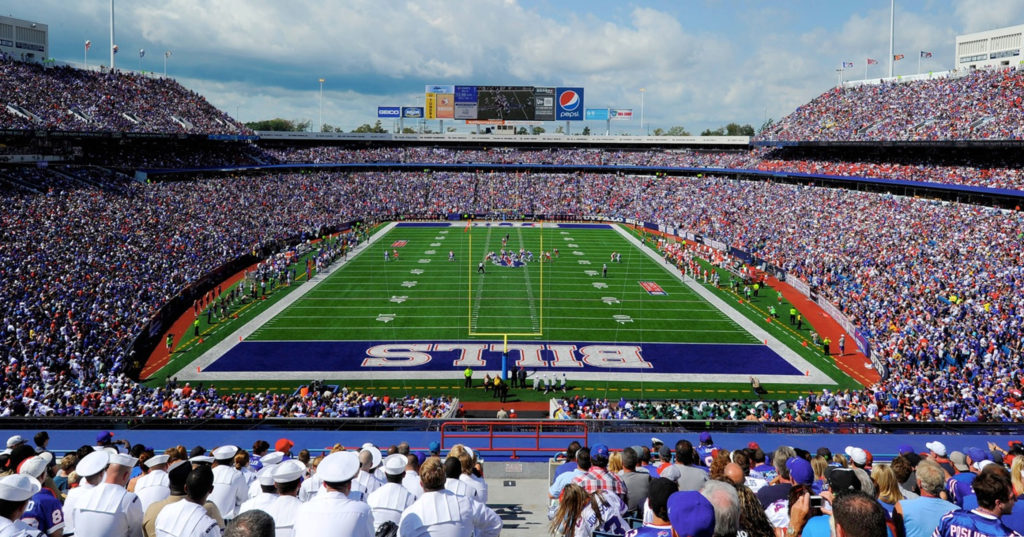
(283, 445)
(824, 452)
(959, 461)
(800, 470)
(705, 437)
(976, 454)
(435, 447)
(691, 514)
(857, 455)
(18, 487)
(905, 448)
(665, 453)
(937, 447)
(103, 436)
(655, 440)
(338, 467)
(33, 466)
(753, 445)
(14, 441)
(395, 464)
(842, 479)
(599, 451)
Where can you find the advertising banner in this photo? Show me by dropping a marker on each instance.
(412, 112)
(569, 104)
(596, 114)
(439, 102)
(544, 104)
(620, 114)
(389, 111)
(465, 102)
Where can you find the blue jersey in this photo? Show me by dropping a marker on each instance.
(44, 512)
(972, 524)
(650, 531)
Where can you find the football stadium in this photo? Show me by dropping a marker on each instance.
(213, 327)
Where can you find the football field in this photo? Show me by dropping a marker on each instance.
(421, 302)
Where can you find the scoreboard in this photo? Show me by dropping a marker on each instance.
(508, 103)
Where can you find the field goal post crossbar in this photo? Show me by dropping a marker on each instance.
(514, 436)
(469, 294)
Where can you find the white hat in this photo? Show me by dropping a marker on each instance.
(469, 451)
(156, 460)
(123, 460)
(938, 447)
(289, 471)
(14, 441)
(204, 459)
(93, 463)
(375, 456)
(274, 457)
(367, 445)
(48, 456)
(111, 450)
(395, 464)
(857, 455)
(980, 465)
(266, 475)
(225, 452)
(18, 487)
(338, 467)
(655, 440)
(33, 466)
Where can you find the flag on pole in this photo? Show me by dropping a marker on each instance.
(142, 52)
(116, 49)
(897, 57)
(847, 65)
(88, 44)
(926, 54)
(167, 54)
(872, 62)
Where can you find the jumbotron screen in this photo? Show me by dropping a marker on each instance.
(510, 103)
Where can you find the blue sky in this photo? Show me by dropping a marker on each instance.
(703, 63)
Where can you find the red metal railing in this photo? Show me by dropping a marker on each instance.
(515, 436)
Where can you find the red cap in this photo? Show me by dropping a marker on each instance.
(284, 445)
(753, 445)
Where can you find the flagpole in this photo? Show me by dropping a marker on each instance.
(111, 35)
(892, 33)
(865, 69)
(919, 62)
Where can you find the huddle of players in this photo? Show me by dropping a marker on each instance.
(344, 493)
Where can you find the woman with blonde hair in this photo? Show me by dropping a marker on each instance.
(819, 465)
(887, 486)
(1017, 475)
(580, 514)
(615, 462)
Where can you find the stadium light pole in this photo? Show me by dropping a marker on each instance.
(642, 92)
(321, 126)
(112, 45)
(167, 54)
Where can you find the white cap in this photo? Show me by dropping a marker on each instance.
(205, 459)
(857, 455)
(289, 471)
(15, 440)
(266, 475)
(18, 487)
(395, 464)
(156, 460)
(93, 463)
(123, 460)
(938, 447)
(980, 465)
(469, 451)
(338, 467)
(48, 456)
(367, 445)
(374, 455)
(655, 440)
(225, 452)
(33, 466)
(272, 458)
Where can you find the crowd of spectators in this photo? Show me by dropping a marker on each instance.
(935, 287)
(966, 105)
(70, 99)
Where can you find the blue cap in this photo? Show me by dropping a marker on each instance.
(705, 437)
(800, 470)
(691, 514)
(104, 436)
(977, 454)
(905, 448)
(599, 450)
(435, 447)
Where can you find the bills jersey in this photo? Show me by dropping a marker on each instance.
(972, 524)
(44, 512)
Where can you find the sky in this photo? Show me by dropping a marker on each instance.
(701, 63)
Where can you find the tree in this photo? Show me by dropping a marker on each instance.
(717, 132)
(678, 130)
(659, 131)
(537, 130)
(365, 127)
(408, 130)
(327, 127)
(278, 124)
(560, 130)
(521, 130)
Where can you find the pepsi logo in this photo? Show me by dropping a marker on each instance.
(569, 100)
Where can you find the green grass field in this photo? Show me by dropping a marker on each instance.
(422, 296)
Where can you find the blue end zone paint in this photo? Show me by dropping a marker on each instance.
(688, 358)
(422, 224)
(584, 226)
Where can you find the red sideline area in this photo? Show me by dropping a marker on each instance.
(854, 363)
(181, 329)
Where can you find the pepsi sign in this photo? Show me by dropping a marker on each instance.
(389, 111)
(569, 104)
